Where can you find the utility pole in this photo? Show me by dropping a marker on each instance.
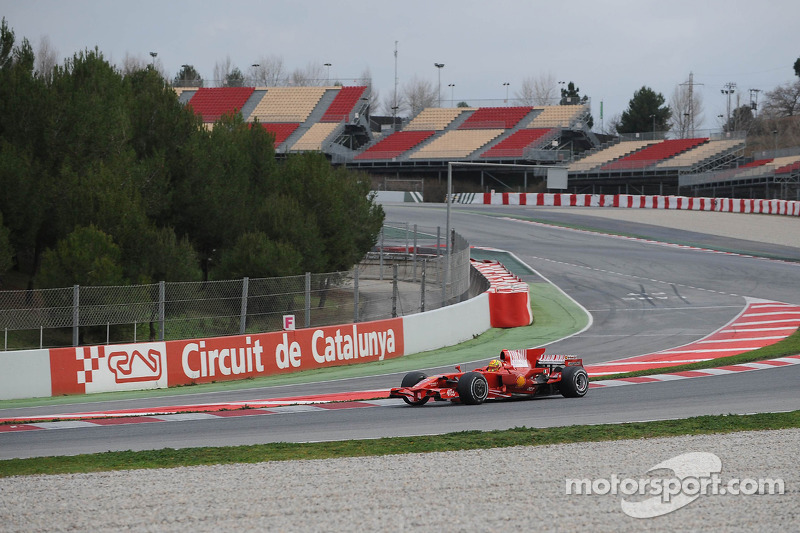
(729, 89)
(691, 84)
(394, 107)
(754, 101)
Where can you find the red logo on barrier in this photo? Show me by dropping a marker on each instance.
(134, 366)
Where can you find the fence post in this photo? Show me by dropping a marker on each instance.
(414, 274)
(162, 296)
(308, 299)
(422, 288)
(243, 316)
(76, 302)
(355, 295)
(394, 290)
(380, 258)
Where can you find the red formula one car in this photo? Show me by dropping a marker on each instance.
(517, 373)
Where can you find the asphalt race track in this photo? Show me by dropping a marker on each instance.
(642, 296)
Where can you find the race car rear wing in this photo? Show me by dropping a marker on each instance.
(535, 357)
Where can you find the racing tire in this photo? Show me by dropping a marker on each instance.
(409, 380)
(472, 388)
(412, 378)
(574, 382)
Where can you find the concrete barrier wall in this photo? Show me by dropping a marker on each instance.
(24, 374)
(729, 205)
(446, 326)
(151, 365)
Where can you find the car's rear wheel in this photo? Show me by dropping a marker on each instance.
(574, 382)
(472, 388)
(409, 380)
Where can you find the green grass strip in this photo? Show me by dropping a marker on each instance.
(466, 440)
(788, 346)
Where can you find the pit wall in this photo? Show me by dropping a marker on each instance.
(729, 205)
(151, 365)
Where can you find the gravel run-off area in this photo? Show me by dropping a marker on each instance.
(510, 489)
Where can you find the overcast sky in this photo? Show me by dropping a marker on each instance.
(608, 48)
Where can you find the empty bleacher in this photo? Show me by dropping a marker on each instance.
(495, 118)
(343, 104)
(613, 152)
(435, 118)
(212, 103)
(456, 144)
(757, 163)
(558, 116)
(712, 150)
(281, 131)
(782, 165)
(394, 145)
(287, 104)
(514, 146)
(653, 154)
(314, 137)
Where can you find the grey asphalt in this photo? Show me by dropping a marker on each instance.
(515, 489)
(704, 291)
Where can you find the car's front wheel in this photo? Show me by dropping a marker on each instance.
(472, 388)
(409, 380)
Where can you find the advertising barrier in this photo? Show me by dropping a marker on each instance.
(90, 369)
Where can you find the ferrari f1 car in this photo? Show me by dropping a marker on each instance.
(518, 373)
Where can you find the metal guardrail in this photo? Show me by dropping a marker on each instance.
(406, 273)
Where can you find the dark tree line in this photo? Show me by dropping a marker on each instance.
(107, 179)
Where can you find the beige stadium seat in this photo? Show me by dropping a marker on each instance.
(557, 116)
(702, 152)
(287, 104)
(456, 144)
(434, 118)
(314, 137)
(611, 153)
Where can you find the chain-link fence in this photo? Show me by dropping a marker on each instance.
(407, 272)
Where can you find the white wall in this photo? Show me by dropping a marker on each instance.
(446, 326)
(24, 374)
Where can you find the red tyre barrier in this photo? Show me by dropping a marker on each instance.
(509, 297)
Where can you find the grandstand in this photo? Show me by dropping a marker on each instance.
(770, 174)
(395, 144)
(336, 121)
(514, 146)
(456, 144)
(212, 103)
(653, 154)
(286, 104)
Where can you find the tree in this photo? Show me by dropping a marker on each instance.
(45, 59)
(537, 91)
(256, 255)
(187, 76)
(310, 76)
(235, 78)
(86, 256)
(6, 250)
(686, 112)
(783, 101)
(222, 69)
(646, 112)
(571, 96)
(269, 71)
(742, 119)
(797, 67)
(416, 95)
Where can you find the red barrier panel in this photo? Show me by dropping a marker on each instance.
(510, 309)
(139, 366)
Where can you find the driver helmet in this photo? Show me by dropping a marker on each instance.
(494, 365)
